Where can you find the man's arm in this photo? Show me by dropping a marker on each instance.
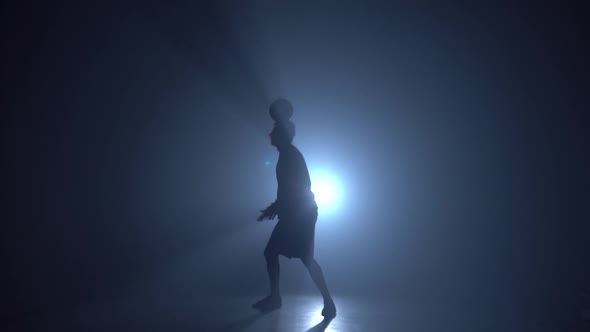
(270, 212)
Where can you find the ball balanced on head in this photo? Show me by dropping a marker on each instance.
(281, 110)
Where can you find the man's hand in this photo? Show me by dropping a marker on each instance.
(270, 213)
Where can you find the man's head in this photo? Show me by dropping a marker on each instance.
(282, 134)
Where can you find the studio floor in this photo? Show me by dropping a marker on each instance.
(298, 313)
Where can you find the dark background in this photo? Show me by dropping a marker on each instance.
(134, 141)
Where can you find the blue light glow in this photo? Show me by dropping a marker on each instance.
(327, 189)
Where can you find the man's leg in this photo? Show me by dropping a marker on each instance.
(274, 269)
(273, 301)
(315, 271)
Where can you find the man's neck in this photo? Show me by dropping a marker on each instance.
(284, 147)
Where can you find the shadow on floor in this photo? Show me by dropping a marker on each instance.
(321, 326)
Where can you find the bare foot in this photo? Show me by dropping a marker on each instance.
(329, 310)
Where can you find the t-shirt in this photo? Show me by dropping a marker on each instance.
(294, 184)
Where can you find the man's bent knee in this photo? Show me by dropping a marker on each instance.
(269, 254)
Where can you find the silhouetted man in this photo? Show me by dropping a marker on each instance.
(293, 235)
